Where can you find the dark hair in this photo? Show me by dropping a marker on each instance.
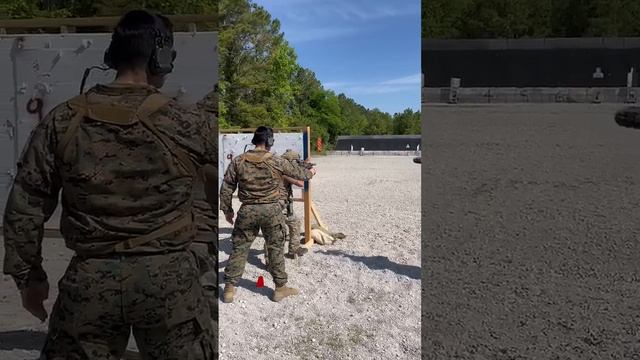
(262, 135)
(134, 39)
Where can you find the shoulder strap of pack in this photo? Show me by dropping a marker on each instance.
(104, 113)
(79, 105)
(111, 114)
(254, 157)
(149, 106)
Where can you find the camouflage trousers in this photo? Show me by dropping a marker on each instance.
(207, 257)
(158, 297)
(292, 225)
(250, 220)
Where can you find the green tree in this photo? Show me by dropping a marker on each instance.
(529, 18)
(249, 45)
(380, 123)
(406, 123)
(25, 9)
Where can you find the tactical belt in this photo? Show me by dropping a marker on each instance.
(126, 117)
(261, 203)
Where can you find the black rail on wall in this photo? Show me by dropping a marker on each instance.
(531, 62)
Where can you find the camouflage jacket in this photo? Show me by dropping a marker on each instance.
(258, 176)
(118, 182)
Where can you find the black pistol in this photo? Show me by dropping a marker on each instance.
(305, 165)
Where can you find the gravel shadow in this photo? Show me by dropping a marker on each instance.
(22, 340)
(253, 259)
(225, 231)
(380, 263)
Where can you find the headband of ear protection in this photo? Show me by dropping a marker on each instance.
(162, 56)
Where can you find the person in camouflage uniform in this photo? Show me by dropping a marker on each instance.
(258, 175)
(293, 223)
(126, 159)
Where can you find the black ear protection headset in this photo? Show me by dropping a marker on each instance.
(270, 138)
(162, 57)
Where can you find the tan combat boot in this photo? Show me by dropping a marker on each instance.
(229, 292)
(284, 291)
(292, 254)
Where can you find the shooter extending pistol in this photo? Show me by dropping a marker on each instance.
(304, 164)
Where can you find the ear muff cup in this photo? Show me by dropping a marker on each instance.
(161, 62)
(107, 58)
(269, 135)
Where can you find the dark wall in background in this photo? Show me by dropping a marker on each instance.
(378, 142)
(530, 63)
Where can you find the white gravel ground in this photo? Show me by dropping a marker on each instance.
(360, 298)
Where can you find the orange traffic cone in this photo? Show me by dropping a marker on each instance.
(260, 282)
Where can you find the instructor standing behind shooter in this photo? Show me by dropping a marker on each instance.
(258, 175)
(125, 158)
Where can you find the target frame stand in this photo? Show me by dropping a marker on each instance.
(309, 208)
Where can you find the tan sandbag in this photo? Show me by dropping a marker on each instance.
(321, 237)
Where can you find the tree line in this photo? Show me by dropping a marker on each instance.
(469, 19)
(27, 9)
(260, 82)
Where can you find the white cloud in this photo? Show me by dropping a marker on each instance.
(345, 10)
(335, 84)
(407, 80)
(315, 34)
(314, 20)
(379, 89)
(402, 84)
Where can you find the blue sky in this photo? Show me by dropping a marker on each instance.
(367, 49)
